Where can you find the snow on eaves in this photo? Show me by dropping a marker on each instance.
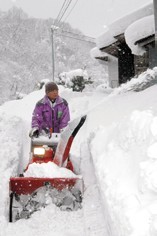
(96, 53)
(139, 29)
(119, 26)
(105, 39)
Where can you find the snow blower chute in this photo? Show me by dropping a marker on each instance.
(29, 193)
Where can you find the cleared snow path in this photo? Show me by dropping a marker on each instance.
(95, 214)
(49, 221)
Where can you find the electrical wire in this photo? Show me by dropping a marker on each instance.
(60, 11)
(76, 38)
(77, 34)
(60, 16)
(63, 13)
(68, 4)
(71, 10)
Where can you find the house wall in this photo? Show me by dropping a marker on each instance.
(141, 63)
(112, 68)
(113, 71)
(152, 57)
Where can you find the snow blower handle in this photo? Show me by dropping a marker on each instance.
(50, 132)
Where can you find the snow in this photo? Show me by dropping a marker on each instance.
(67, 77)
(119, 26)
(139, 29)
(136, 25)
(95, 52)
(49, 170)
(105, 39)
(115, 152)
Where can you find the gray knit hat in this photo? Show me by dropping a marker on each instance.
(51, 86)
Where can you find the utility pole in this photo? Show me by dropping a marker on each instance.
(53, 53)
(155, 20)
(153, 51)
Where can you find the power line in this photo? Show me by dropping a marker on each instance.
(68, 4)
(77, 34)
(71, 10)
(60, 11)
(63, 10)
(76, 38)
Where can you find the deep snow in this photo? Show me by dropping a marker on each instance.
(119, 137)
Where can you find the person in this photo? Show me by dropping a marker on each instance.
(51, 113)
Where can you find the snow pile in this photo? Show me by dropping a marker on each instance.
(149, 167)
(123, 146)
(129, 185)
(10, 154)
(138, 30)
(145, 80)
(149, 175)
(67, 77)
(49, 170)
(152, 150)
(104, 88)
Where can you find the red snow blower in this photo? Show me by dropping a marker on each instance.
(29, 194)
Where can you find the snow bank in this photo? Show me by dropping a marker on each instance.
(123, 146)
(129, 185)
(11, 128)
(145, 80)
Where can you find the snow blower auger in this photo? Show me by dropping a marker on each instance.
(30, 193)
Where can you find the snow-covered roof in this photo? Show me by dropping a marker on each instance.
(96, 53)
(105, 39)
(138, 30)
(120, 26)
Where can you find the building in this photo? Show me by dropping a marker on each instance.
(126, 45)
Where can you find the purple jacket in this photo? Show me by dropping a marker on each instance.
(47, 116)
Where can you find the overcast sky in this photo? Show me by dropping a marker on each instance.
(88, 15)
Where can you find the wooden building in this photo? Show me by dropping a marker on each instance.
(122, 63)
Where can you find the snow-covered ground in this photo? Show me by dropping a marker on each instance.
(115, 151)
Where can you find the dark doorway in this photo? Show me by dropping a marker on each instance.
(125, 63)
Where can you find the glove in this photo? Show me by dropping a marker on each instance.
(34, 133)
(47, 130)
(62, 130)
